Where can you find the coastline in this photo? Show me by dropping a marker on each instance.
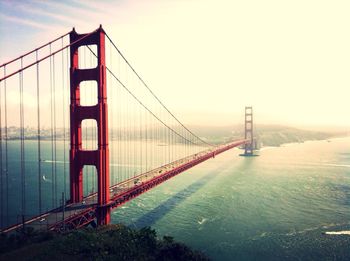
(286, 144)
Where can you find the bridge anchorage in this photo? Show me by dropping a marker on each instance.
(251, 146)
(148, 145)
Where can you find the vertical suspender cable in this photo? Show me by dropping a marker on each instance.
(67, 102)
(117, 141)
(165, 141)
(134, 139)
(51, 134)
(169, 142)
(1, 171)
(119, 115)
(139, 115)
(122, 136)
(6, 151)
(130, 135)
(154, 143)
(160, 161)
(124, 140)
(172, 145)
(111, 117)
(140, 138)
(92, 126)
(189, 145)
(111, 131)
(149, 120)
(128, 111)
(184, 143)
(156, 156)
(22, 142)
(38, 131)
(146, 141)
(54, 126)
(150, 141)
(169, 145)
(128, 129)
(126, 166)
(64, 128)
(85, 134)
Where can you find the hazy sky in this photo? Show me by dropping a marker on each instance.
(208, 59)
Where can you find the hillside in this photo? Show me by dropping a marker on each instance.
(268, 135)
(112, 242)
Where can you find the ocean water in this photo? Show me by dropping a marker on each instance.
(287, 204)
(19, 191)
(278, 206)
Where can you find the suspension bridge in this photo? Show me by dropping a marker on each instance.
(67, 159)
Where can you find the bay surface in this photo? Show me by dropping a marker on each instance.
(277, 206)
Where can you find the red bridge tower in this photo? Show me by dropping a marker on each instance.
(79, 157)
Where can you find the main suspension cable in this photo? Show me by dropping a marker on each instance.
(142, 104)
(46, 57)
(153, 94)
(35, 50)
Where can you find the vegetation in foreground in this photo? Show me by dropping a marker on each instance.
(112, 242)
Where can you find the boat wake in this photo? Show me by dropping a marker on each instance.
(337, 165)
(345, 232)
(46, 179)
(202, 221)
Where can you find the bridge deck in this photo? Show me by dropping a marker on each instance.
(80, 214)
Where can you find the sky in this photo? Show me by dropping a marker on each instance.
(207, 59)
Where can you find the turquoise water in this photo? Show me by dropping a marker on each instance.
(127, 159)
(277, 206)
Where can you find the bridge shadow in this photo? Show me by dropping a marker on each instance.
(157, 213)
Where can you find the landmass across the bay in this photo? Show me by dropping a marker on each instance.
(269, 135)
(266, 135)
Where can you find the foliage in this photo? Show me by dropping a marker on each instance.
(23, 237)
(113, 242)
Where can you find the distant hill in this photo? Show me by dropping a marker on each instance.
(268, 135)
(277, 135)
